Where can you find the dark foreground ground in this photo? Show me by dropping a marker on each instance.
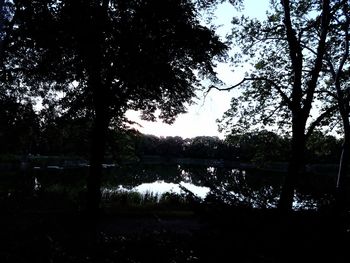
(213, 234)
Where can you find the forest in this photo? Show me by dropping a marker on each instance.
(80, 183)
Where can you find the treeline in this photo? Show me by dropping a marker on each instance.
(258, 147)
(28, 132)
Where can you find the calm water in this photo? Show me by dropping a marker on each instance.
(215, 184)
(208, 183)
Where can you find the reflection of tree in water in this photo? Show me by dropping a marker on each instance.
(250, 188)
(315, 191)
(256, 188)
(237, 187)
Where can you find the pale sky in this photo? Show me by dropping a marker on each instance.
(201, 118)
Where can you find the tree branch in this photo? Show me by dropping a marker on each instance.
(329, 93)
(336, 73)
(309, 49)
(265, 119)
(321, 117)
(345, 56)
(278, 87)
(319, 57)
(296, 55)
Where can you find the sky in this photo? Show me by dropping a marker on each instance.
(200, 119)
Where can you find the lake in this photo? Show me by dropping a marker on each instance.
(206, 182)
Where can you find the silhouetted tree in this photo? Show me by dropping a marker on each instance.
(148, 145)
(260, 147)
(336, 91)
(123, 144)
(171, 146)
(19, 127)
(203, 147)
(62, 135)
(321, 148)
(287, 52)
(110, 56)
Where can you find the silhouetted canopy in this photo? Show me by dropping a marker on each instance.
(148, 54)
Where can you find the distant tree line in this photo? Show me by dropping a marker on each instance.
(28, 132)
(259, 147)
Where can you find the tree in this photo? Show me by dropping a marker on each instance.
(337, 88)
(203, 147)
(322, 148)
(148, 145)
(286, 74)
(109, 56)
(60, 135)
(171, 146)
(260, 147)
(19, 127)
(123, 144)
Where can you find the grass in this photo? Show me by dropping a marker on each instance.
(144, 204)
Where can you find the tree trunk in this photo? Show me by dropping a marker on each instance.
(91, 51)
(343, 168)
(295, 167)
(98, 141)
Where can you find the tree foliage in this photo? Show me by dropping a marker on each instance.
(269, 96)
(146, 52)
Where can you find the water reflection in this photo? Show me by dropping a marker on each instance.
(215, 184)
(158, 188)
(266, 197)
(37, 185)
(211, 184)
